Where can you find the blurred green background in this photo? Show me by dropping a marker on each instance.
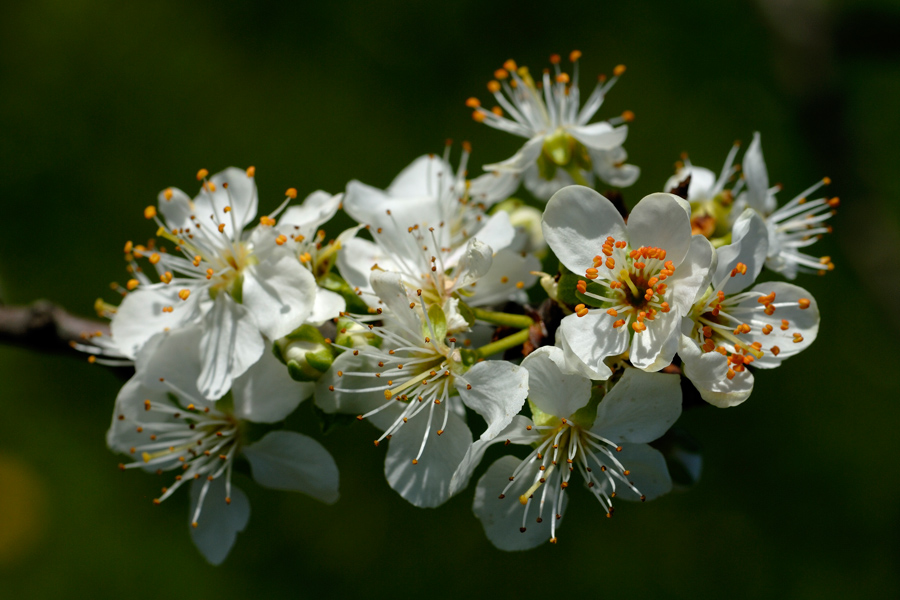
(102, 104)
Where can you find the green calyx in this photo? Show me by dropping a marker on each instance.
(353, 335)
(305, 353)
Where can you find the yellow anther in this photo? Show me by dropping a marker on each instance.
(167, 194)
(562, 78)
(221, 227)
(574, 55)
(281, 239)
(619, 70)
(128, 247)
(150, 212)
(305, 257)
(267, 221)
(201, 174)
(510, 65)
(520, 284)
(291, 193)
(132, 283)
(154, 258)
(209, 273)
(478, 116)
(184, 294)
(826, 180)
(475, 102)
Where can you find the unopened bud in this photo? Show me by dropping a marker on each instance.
(305, 353)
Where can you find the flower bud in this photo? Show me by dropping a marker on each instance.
(354, 335)
(305, 352)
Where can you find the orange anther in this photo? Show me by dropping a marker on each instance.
(834, 202)
(474, 102)
(510, 65)
(221, 227)
(167, 194)
(610, 263)
(209, 273)
(776, 350)
(479, 116)
(497, 111)
(251, 171)
(574, 55)
(785, 324)
(150, 212)
(770, 309)
(562, 78)
(581, 286)
(826, 180)
(184, 294)
(591, 273)
(707, 331)
(554, 59)
(664, 307)
(291, 193)
(767, 329)
(639, 265)
(628, 116)
(201, 174)
(638, 326)
(281, 239)
(501, 74)
(804, 303)
(618, 323)
(612, 312)
(154, 258)
(619, 70)
(798, 338)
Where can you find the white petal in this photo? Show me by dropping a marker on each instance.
(577, 222)
(497, 393)
(286, 460)
(355, 261)
(219, 522)
(328, 305)
(497, 232)
(692, 276)
(654, 348)
(266, 393)
(240, 194)
(427, 176)
(177, 209)
(279, 293)
(174, 356)
(542, 188)
(474, 263)
(140, 316)
(516, 432)
(345, 399)
(502, 519)
(494, 186)
(756, 176)
(526, 155)
(501, 282)
(230, 343)
(554, 386)
(610, 166)
(592, 338)
(708, 373)
(639, 408)
(749, 245)
(702, 186)
(426, 484)
(316, 209)
(660, 221)
(649, 472)
(600, 136)
(804, 321)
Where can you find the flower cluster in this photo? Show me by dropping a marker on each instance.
(425, 320)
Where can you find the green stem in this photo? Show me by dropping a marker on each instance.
(505, 319)
(510, 341)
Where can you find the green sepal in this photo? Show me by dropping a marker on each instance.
(321, 360)
(585, 416)
(466, 311)
(438, 323)
(333, 282)
(305, 352)
(469, 357)
(566, 292)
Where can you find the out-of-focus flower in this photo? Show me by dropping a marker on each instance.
(600, 432)
(163, 423)
(563, 147)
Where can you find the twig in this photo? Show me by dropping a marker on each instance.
(45, 327)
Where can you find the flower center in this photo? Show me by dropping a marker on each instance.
(628, 283)
(566, 447)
